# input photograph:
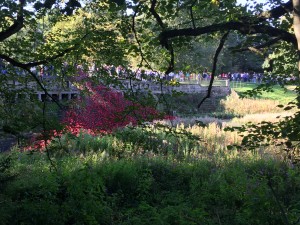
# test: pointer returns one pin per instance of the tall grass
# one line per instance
(237, 121)
(182, 142)
(152, 175)
(243, 106)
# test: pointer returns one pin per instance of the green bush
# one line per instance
(128, 142)
(88, 190)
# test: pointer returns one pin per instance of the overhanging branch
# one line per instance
(27, 69)
(192, 14)
(42, 87)
(213, 73)
(41, 62)
(133, 28)
(155, 14)
(243, 28)
(260, 46)
(17, 25)
(168, 45)
(27, 66)
(277, 12)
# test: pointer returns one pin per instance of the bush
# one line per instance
(105, 110)
(143, 191)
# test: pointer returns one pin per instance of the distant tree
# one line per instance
(154, 34)
(273, 34)
(53, 37)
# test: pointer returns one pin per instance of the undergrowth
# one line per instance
(143, 190)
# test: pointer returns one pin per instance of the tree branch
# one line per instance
(260, 46)
(172, 59)
(137, 38)
(13, 62)
(26, 67)
(192, 15)
(277, 12)
(213, 73)
(155, 14)
(296, 25)
(17, 25)
(45, 61)
(168, 44)
(42, 87)
(242, 27)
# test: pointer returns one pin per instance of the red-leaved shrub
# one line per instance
(104, 110)
(100, 111)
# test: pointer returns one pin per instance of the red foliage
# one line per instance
(101, 111)
(104, 110)
(39, 142)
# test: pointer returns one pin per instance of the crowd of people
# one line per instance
(244, 77)
(182, 76)
(148, 75)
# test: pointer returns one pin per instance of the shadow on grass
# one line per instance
(151, 191)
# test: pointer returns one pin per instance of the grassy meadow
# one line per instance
(278, 94)
(166, 172)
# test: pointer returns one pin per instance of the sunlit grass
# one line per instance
(279, 94)
(257, 118)
(243, 106)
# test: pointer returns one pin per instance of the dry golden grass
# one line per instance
(254, 118)
(243, 106)
(257, 118)
(216, 140)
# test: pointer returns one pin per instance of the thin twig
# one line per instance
(43, 88)
(192, 15)
(213, 73)
(46, 138)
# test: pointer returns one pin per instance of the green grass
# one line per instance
(283, 96)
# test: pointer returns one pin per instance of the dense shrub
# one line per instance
(104, 110)
(151, 191)
(100, 111)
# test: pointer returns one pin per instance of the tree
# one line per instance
(35, 35)
(273, 34)
(154, 32)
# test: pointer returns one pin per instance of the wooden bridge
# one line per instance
(158, 88)
(66, 91)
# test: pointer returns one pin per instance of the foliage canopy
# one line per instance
(149, 34)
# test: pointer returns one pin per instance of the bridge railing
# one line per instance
(217, 82)
(156, 88)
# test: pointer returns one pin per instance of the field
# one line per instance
(282, 95)
(182, 173)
